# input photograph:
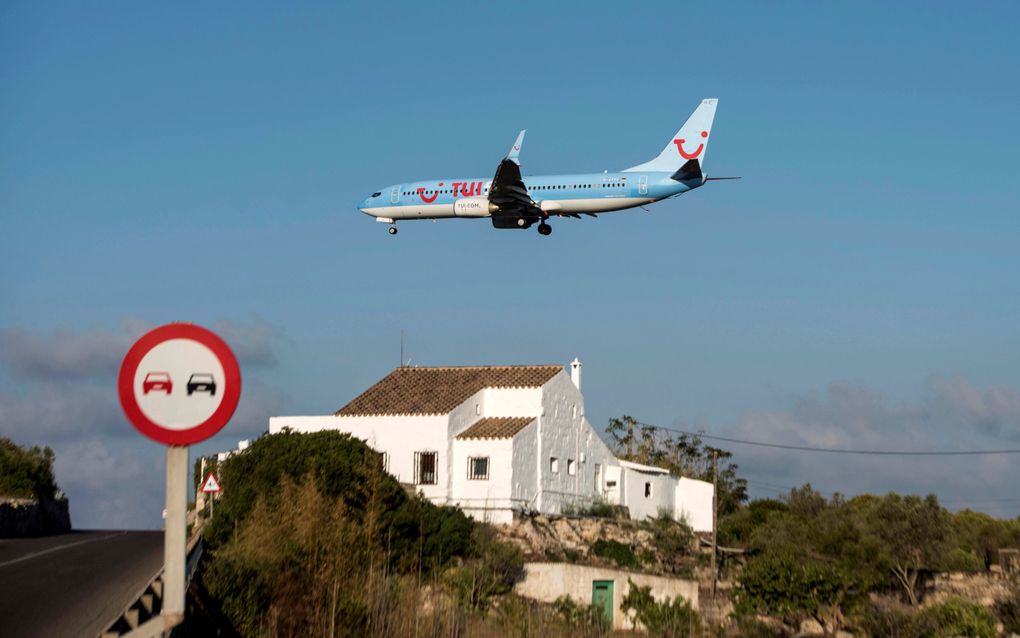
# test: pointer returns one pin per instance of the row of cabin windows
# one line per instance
(449, 191)
(425, 465)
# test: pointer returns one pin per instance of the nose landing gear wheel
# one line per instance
(392, 230)
(544, 229)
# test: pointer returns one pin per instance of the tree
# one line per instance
(796, 587)
(683, 455)
(26, 472)
(914, 535)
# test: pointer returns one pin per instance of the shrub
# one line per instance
(26, 472)
(615, 551)
(1008, 611)
(957, 617)
(672, 540)
(586, 619)
(492, 571)
(669, 617)
(961, 560)
(943, 620)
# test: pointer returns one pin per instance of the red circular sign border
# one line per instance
(231, 391)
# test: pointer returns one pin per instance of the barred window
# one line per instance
(478, 468)
(425, 468)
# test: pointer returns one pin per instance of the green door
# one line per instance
(602, 597)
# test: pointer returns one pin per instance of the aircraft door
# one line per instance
(395, 195)
(642, 185)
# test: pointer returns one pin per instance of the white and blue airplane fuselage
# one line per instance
(513, 201)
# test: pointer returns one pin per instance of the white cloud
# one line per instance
(953, 415)
(63, 394)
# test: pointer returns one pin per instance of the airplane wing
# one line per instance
(508, 193)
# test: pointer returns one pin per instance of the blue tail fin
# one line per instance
(689, 143)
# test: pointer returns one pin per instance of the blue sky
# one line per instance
(858, 287)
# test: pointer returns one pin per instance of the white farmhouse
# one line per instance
(494, 440)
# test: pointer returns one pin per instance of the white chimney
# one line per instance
(575, 372)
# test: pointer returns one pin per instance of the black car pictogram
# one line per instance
(201, 382)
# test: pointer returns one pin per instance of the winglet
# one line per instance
(515, 150)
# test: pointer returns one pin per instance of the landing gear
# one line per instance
(392, 230)
(523, 223)
(544, 229)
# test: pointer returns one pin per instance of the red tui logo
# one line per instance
(680, 147)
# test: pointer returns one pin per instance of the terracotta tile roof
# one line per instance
(440, 390)
(500, 427)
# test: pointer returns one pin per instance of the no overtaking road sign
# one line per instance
(179, 384)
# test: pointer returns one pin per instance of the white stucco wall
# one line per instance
(488, 500)
(663, 495)
(524, 471)
(513, 401)
(398, 436)
(546, 582)
(694, 503)
(564, 433)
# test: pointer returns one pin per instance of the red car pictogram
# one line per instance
(158, 381)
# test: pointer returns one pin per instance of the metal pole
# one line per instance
(715, 512)
(175, 541)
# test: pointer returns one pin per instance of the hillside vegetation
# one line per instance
(312, 537)
(26, 472)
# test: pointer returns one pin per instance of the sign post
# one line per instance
(179, 384)
(211, 487)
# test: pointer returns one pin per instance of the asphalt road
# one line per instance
(73, 584)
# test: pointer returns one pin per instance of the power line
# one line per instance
(983, 501)
(804, 448)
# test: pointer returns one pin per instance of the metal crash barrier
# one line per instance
(142, 617)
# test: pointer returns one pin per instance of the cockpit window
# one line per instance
(377, 194)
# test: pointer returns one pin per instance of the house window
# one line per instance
(598, 478)
(478, 468)
(554, 465)
(386, 461)
(425, 468)
(571, 467)
(648, 490)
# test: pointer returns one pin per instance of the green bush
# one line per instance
(960, 618)
(1008, 611)
(943, 620)
(586, 619)
(615, 551)
(26, 472)
(492, 571)
(962, 560)
(673, 618)
(342, 466)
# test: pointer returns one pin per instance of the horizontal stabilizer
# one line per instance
(690, 171)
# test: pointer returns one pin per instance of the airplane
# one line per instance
(511, 201)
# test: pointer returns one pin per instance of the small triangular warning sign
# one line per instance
(211, 485)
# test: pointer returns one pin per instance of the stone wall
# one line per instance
(27, 517)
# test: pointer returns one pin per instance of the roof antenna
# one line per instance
(401, 348)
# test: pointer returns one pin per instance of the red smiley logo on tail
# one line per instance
(428, 200)
(680, 147)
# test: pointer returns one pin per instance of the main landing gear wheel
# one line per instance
(392, 230)
(544, 229)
